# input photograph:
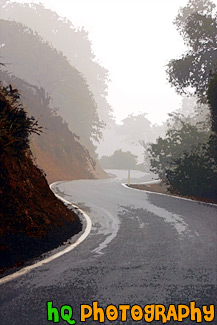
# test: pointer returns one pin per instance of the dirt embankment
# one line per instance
(57, 150)
(157, 188)
(32, 219)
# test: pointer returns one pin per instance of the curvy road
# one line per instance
(143, 249)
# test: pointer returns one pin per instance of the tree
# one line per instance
(184, 159)
(119, 160)
(57, 151)
(197, 23)
(193, 171)
(72, 41)
(181, 137)
(193, 174)
(135, 128)
(212, 101)
(15, 125)
(35, 61)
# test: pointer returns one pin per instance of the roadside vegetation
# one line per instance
(186, 158)
(119, 160)
(57, 151)
(53, 89)
(32, 219)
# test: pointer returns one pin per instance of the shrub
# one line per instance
(15, 125)
(194, 174)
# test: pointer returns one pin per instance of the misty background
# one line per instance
(109, 72)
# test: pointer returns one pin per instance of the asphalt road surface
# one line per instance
(143, 249)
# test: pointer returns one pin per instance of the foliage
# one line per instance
(119, 160)
(73, 42)
(130, 135)
(212, 100)
(181, 137)
(57, 151)
(197, 23)
(32, 220)
(189, 164)
(15, 125)
(193, 174)
(135, 127)
(35, 61)
(185, 160)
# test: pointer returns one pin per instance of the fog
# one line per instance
(133, 40)
(114, 77)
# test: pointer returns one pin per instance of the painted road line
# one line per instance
(84, 235)
(176, 197)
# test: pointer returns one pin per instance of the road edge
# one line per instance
(156, 193)
(83, 236)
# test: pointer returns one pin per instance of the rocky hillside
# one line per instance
(32, 219)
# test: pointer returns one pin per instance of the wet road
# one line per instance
(143, 249)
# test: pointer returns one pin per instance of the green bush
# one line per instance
(194, 174)
(15, 125)
(181, 137)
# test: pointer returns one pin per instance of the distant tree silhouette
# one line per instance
(119, 160)
(73, 42)
(35, 61)
(57, 151)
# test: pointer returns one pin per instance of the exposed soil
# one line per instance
(32, 219)
(56, 151)
(158, 188)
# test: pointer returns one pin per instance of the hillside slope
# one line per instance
(72, 41)
(29, 57)
(32, 219)
(57, 151)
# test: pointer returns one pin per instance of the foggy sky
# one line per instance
(134, 40)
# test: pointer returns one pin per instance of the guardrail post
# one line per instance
(128, 177)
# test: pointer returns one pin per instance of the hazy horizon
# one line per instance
(133, 40)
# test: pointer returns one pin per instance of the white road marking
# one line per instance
(176, 197)
(53, 257)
